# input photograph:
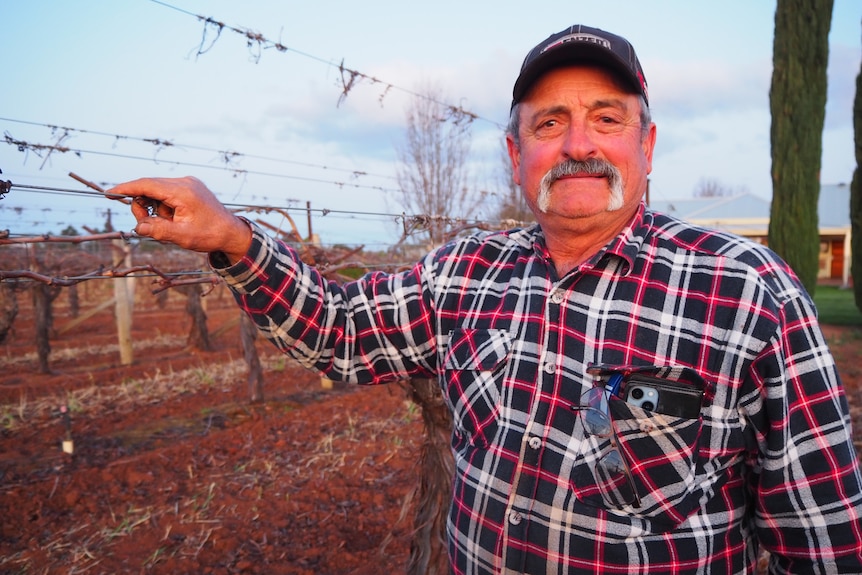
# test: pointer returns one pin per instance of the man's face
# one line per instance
(582, 152)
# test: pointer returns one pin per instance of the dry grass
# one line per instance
(126, 395)
(86, 351)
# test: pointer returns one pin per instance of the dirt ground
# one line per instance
(172, 470)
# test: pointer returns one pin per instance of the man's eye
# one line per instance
(607, 124)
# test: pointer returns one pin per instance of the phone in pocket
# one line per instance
(663, 396)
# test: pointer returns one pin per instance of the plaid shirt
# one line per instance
(768, 464)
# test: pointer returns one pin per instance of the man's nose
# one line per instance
(579, 142)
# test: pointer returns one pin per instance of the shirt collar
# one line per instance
(625, 246)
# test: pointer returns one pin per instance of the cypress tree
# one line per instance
(856, 198)
(797, 101)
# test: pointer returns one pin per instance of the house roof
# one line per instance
(748, 214)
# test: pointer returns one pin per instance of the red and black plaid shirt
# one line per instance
(768, 464)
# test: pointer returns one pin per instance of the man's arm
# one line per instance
(809, 507)
(375, 329)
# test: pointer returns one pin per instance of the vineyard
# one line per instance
(165, 465)
(172, 467)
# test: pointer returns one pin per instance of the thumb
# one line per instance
(144, 228)
(154, 227)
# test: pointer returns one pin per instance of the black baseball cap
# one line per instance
(578, 44)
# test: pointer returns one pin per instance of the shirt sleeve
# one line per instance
(372, 330)
(807, 480)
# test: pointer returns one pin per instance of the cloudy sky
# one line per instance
(137, 88)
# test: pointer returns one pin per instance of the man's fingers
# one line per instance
(183, 211)
(163, 230)
(152, 188)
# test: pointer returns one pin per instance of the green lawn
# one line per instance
(835, 306)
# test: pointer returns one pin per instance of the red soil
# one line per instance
(174, 471)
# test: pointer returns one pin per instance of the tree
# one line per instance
(797, 101)
(512, 207)
(433, 175)
(856, 198)
(434, 181)
(712, 188)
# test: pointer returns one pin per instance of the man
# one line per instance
(631, 394)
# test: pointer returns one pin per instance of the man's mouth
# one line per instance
(581, 175)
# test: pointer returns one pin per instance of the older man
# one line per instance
(631, 394)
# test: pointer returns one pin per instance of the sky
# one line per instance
(144, 88)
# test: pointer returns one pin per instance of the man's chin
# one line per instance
(573, 212)
(578, 209)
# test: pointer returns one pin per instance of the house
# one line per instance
(748, 215)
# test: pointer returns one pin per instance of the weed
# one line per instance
(207, 499)
(155, 557)
(205, 377)
(74, 404)
(7, 418)
(411, 410)
(127, 524)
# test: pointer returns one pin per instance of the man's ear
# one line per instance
(648, 145)
(515, 156)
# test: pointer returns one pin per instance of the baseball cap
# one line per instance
(578, 44)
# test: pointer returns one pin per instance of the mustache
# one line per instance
(590, 167)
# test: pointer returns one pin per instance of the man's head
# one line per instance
(580, 133)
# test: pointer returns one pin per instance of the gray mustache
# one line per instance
(590, 166)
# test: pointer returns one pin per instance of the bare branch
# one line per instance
(66, 239)
(98, 188)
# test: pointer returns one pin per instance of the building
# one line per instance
(748, 215)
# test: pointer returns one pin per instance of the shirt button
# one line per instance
(535, 442)
(515, 518)
(550, 368)
(557, 297)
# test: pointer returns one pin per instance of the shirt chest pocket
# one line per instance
(662, 455)
(473, 381)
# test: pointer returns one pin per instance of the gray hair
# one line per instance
(514, 126)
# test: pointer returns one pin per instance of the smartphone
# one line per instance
(663, 396)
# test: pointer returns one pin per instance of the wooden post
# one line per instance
(124, 294)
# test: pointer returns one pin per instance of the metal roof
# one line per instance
(748, 214)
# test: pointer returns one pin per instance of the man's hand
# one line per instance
(183, 211)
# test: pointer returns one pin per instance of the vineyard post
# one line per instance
(124, 293)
